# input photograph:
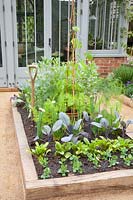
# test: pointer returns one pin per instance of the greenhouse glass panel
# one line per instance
(61, 28)
(103, 24)
(30, 31)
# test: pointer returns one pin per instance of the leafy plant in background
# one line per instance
(50, 112)
(103, 124)
(52, 85)
(129, 90)
(105, 127)
(124, 73)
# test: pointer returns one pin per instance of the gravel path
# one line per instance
(11, 187)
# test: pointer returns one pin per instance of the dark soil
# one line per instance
(88, 167)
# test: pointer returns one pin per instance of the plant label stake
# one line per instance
(33, 74)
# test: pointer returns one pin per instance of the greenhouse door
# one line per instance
(30, 29)
(32, 32)
(4, 47)
(3, 78)
(61, 11)
(42, 28)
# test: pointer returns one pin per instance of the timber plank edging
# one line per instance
(6, 89)
(126, 100)
(29, 171)
(35, 189)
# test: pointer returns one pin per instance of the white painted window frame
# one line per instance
(83, 36)
(21, 73)
(47, 28)
(3, 69)
(9, 42)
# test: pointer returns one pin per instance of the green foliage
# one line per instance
(63, 169)
(94, 159)
(95, 151)
(76, 164)
(113, 86)
(40, 149)
(113, 161)
(43, 161)
(53, 90)
(64, 87)
(127, 157)
(128, 160)
(129, 90)
(63, 149)
(46, 173)
(124, 73)
(109, 125)
(25, 95)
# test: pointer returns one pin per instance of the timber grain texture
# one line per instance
(8, 90)
(125, 100)
(115, 185)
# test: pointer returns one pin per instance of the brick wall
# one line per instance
(107, 64)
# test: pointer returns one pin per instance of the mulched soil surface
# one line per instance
(88, 167)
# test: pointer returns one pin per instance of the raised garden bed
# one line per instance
(104, 185)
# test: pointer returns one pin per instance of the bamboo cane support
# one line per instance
(73, 53)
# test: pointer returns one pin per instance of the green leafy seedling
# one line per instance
(76, 164)
(40, 149)
(63, 169)
(128, 160)
(113, 161)
(43, 161)
(46, 173)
